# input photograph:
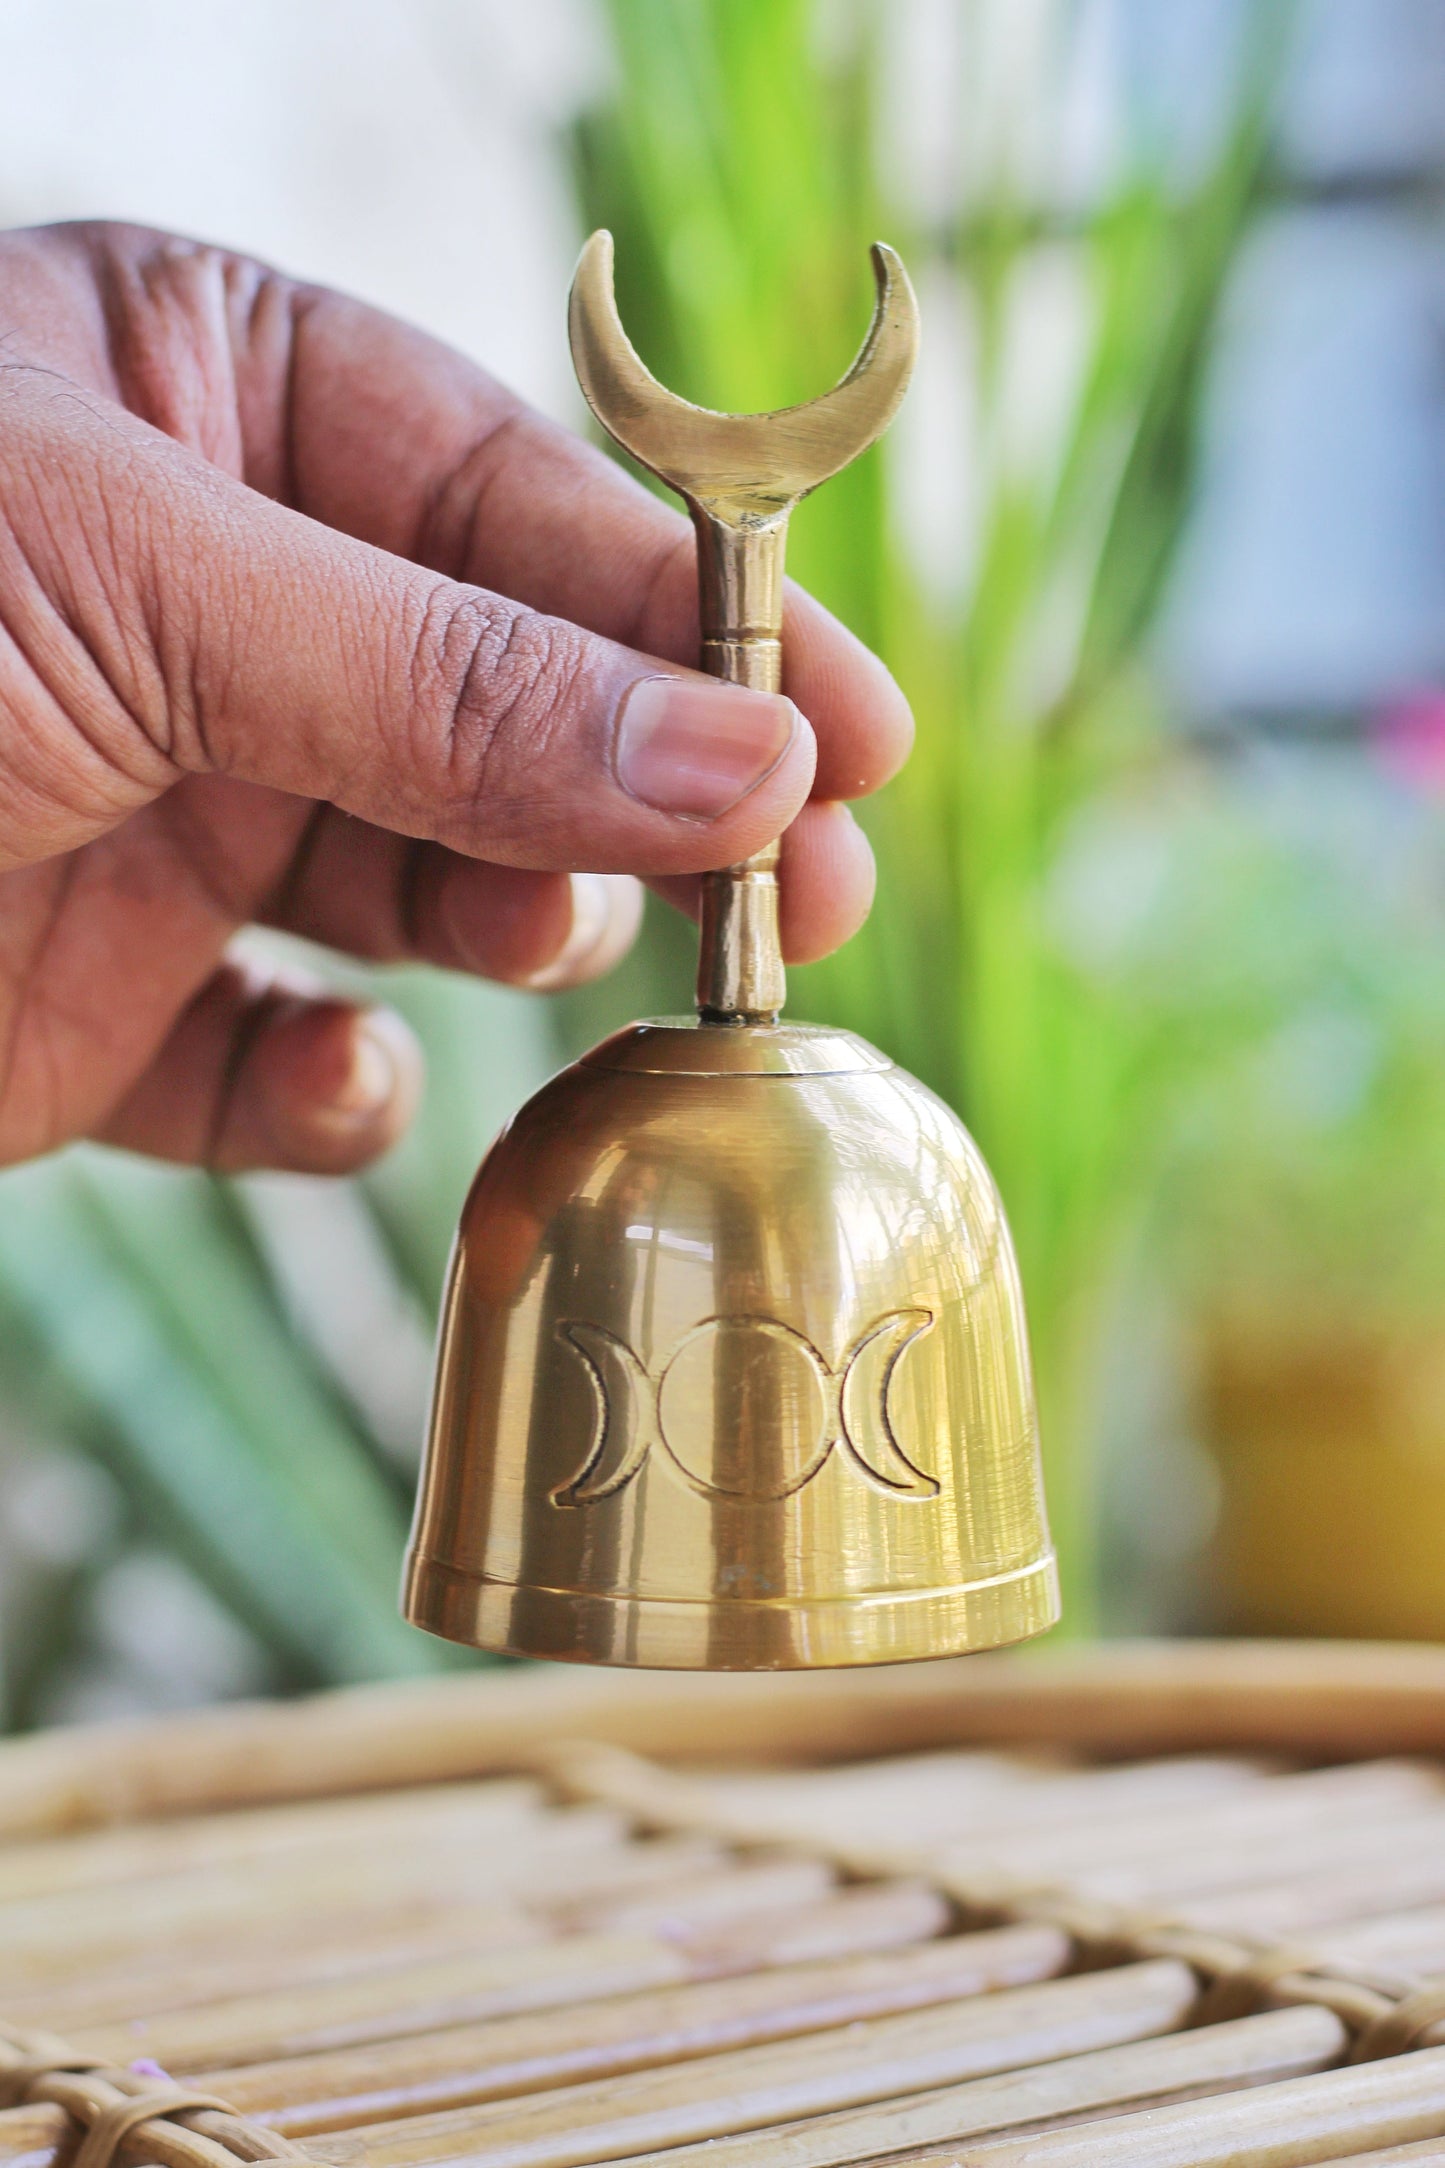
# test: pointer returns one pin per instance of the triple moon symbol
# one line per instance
(732, 1381)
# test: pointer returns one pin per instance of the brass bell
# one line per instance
(733, 1370)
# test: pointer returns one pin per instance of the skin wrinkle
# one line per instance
(159, 355)
(104, 751)
(184, 663)
(128, 639)
(217, 429)
(302, 304)
(509, 751)
(298, 306)
(566, 677)
(27, 1004)
(282, 901)
(149, 706)
(308, 906)
(682, 547)
(252, 1018)
(44, 819)
(182, 658)
(527, 659)
(110, 287)
(217, 421)
(54, 1096)
(209, 869)
(463, 740)
(214, 670)
(85, 609)
(247, 299)
(429, 546)
(413, 866)
(43, 813)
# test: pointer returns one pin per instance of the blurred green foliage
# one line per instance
(1281, 921)
(142, 1321)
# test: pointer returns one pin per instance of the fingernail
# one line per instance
(591, 911)
(373, 1076)
(694, 749)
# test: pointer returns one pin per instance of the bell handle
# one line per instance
(740, 976)
(740, 476)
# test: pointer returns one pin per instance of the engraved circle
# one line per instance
(746, 1408)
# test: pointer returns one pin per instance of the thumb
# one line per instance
(287, 654)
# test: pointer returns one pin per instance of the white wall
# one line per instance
(404, 149)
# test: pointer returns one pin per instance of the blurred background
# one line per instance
(1157, 549)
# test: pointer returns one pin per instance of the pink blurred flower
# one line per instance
(1407, 737)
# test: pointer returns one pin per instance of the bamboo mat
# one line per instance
(1136, 1906)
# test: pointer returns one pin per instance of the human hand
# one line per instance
(305, 621)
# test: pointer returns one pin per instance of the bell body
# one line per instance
(733, 1371)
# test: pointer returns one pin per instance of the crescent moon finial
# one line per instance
(740, 464)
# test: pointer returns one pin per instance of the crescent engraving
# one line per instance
(867, 1371)
(625, 1422)
(804, 1415)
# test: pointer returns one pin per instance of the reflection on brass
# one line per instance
(733, 1371)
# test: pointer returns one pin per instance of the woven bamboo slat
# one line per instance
(877, 1915)
(518, 2056)
(886, 2058)
(392, 2005)
(1148, 2073)
(1129, 1905)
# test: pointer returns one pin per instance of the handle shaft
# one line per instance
(740, 977)
(740, 476)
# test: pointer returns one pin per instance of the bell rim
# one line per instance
(730, 1633)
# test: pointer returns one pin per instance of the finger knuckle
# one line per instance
(510, 679)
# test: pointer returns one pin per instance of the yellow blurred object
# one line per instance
(1330, 1444)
